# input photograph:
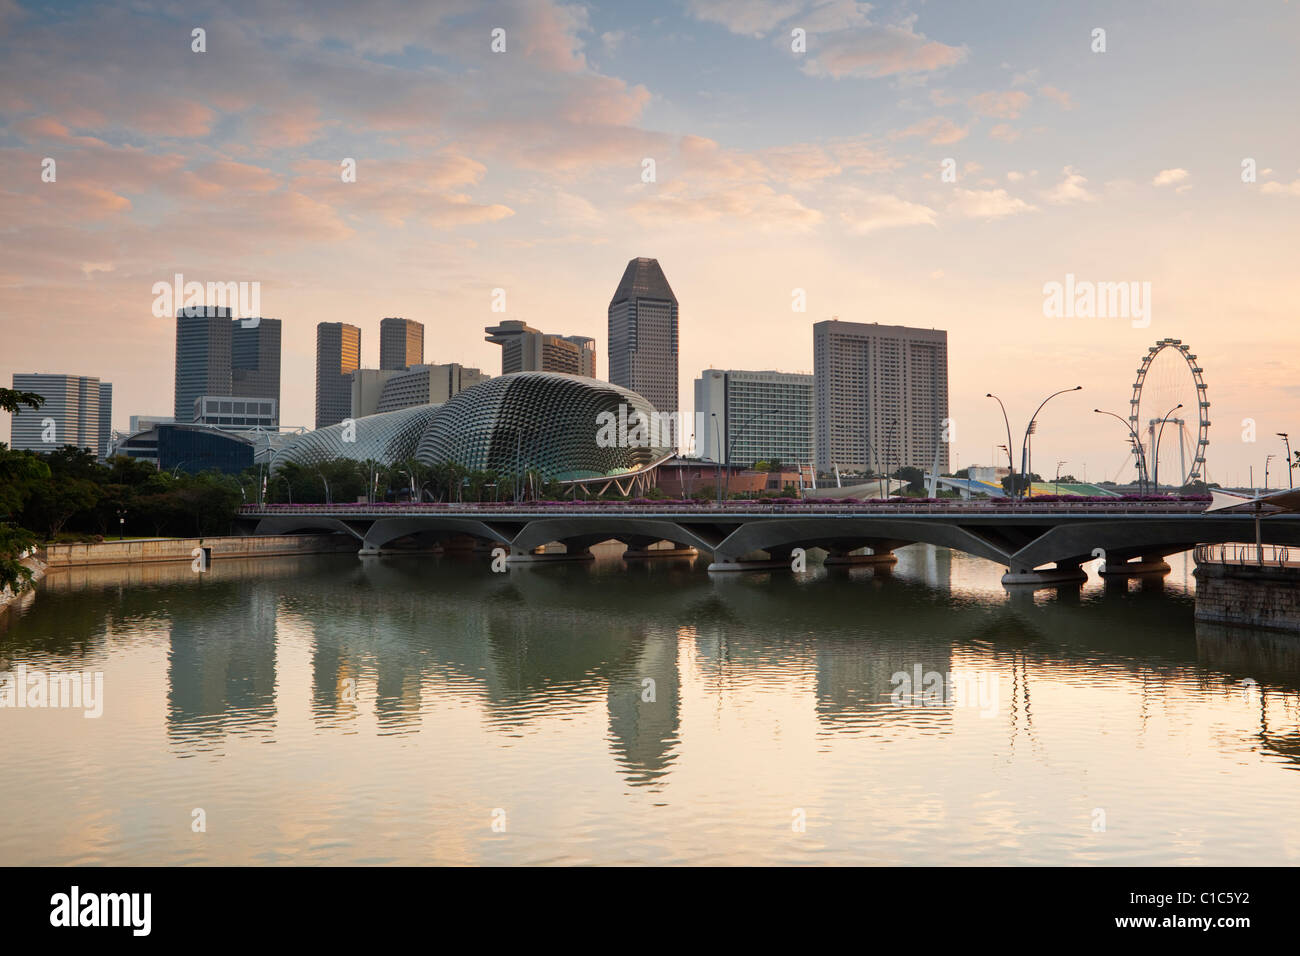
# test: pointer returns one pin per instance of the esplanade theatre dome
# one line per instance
(549, 422)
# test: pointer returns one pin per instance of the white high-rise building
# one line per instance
(78, 411)
(743, 417)
(881, 396)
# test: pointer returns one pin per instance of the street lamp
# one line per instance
(889, 447)
(121, 523)
(1024, 446)
(1289, 465)
(731, 445)
(1058, 477)
(1137, 448)
(1011, 465)
(717, 467)
(1159, 435)
(1267, 459)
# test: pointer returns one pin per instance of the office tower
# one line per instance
(71, 414)
(105, 418)
(401, 344)
(367, 387)
(141, 423)
(643, 334)
(202, 358)
(236, 411)
(744, 417)
(255, 361)
(425, 385)
(525, 349)
(338, 355)
(882, 396)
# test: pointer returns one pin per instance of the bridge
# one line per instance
(1038, 542)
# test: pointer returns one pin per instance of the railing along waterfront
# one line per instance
(1259, 555)
(743, 507)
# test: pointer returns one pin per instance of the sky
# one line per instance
(925, 164)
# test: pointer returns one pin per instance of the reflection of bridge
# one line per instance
(1135, 536)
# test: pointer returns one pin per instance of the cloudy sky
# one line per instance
(775, 170)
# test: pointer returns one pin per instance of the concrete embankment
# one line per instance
(182, 549)
(1250, 595)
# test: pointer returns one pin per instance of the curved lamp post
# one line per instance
(889, 447)
(1286, 439)
(1159, 435)
(731, 445)
(1024, 446)
(1011, 465)
(1137, 447)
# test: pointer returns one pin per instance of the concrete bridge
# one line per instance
(1038, 542)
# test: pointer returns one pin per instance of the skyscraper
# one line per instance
(525, 349)
(427, 384)
(338, 355)
(401, 344)
(72, 413)
(255, 361)
(744, 417)
(882, 396)
(203, 360)
(643, 334)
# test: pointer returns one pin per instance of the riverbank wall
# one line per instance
(182, 549)
(1250, 595)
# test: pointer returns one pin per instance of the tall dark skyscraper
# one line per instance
(338, 355)
(401, 344)
(255, 360)
(643, 334)
(202, 358)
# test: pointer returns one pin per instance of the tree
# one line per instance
(914, 477)
(54, 502)
(14, 543)
(20, 473)
(12, 400)
(1021, 484)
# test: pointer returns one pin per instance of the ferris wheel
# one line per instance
(1171, 412)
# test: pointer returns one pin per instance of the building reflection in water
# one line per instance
(391, 639)
(221, 664)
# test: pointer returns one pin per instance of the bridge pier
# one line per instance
(874, 557)
(759, 564)
(539, 555)
(1063, 573)
(677, 550)
(1147, 564)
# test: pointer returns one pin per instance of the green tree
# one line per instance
(14, 543)
(56, 501)
(21, 473)
(12, 400)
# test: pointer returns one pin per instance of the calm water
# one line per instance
(330, 710)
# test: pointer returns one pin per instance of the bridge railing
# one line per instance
(1259, 555)
(735, 507)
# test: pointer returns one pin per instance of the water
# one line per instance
(333, 710)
